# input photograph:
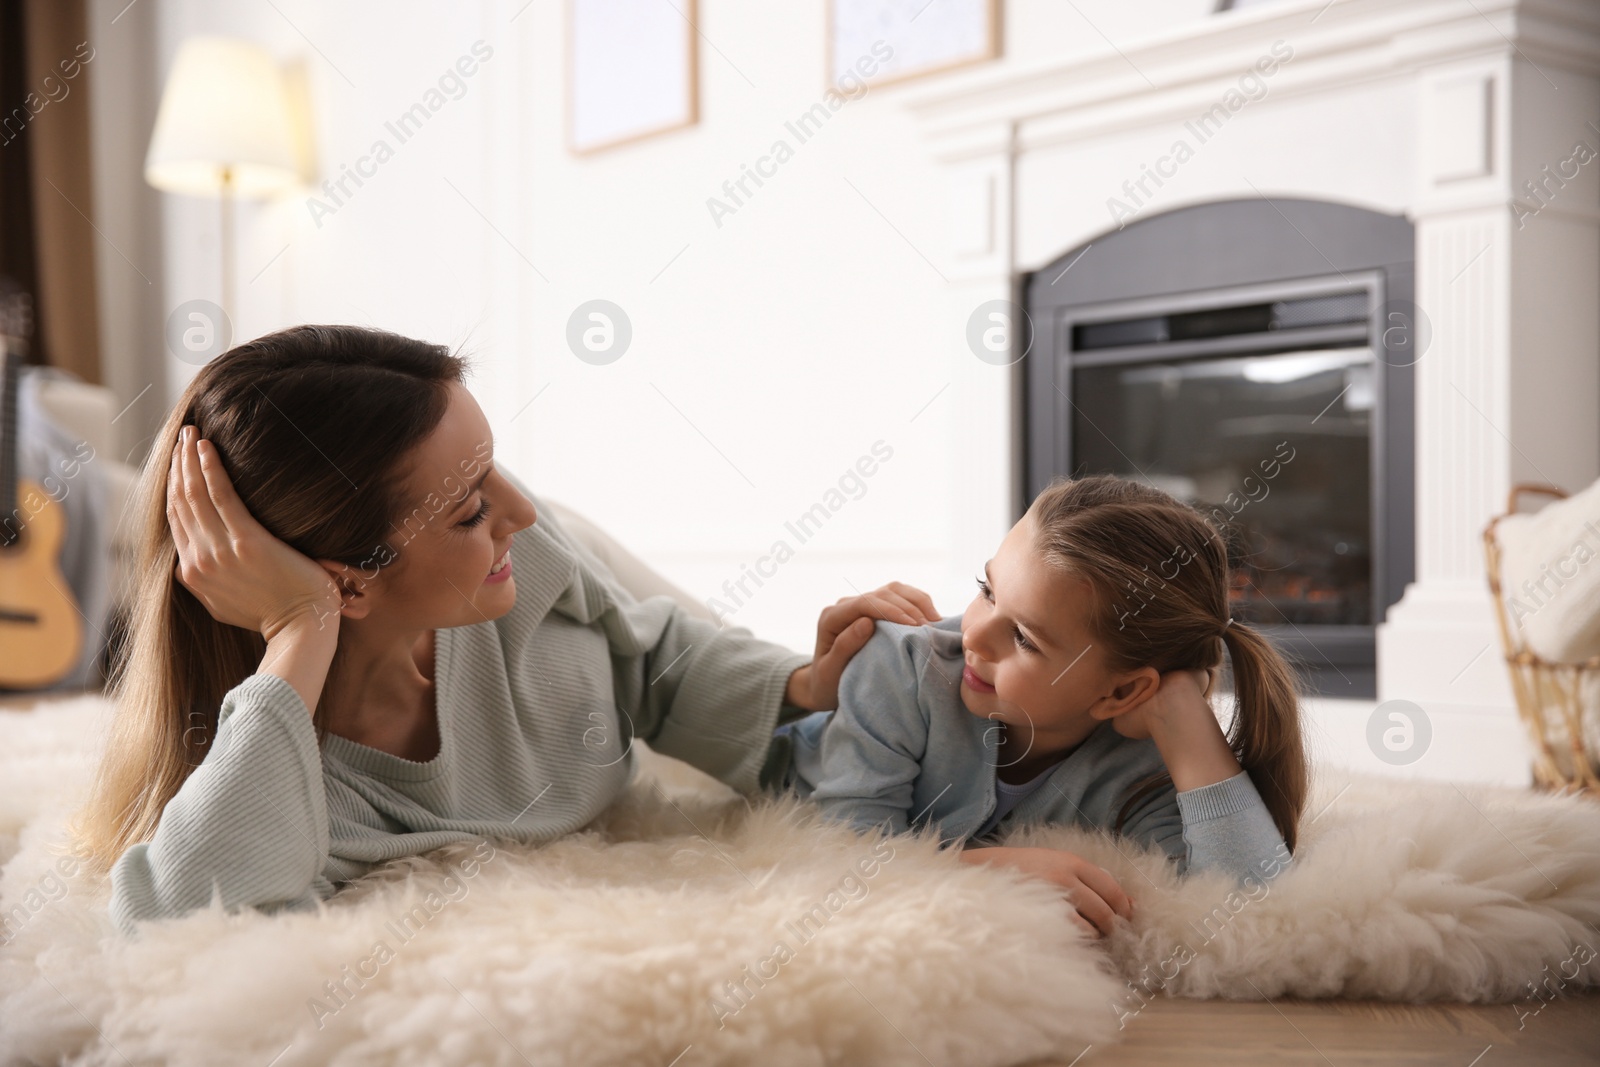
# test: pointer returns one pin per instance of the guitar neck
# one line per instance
(8, 441)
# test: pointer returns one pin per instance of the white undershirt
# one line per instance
(1008, 796)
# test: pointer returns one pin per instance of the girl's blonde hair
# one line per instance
(1159, 574)
(313, 425)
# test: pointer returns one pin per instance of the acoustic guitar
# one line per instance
(41, 628)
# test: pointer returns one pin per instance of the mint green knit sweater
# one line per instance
(537, 711)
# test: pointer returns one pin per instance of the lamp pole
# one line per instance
(227, 243)
(225, 128)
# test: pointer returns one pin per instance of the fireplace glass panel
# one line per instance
(1277, 447)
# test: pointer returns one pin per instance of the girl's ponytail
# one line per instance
(1265, 735)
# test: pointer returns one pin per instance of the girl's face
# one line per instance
(1029, 659)
(458, 526)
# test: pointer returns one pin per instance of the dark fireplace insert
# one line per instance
(1254, 359)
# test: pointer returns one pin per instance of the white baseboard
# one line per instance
(1467, 743)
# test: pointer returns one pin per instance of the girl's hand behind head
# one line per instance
(232, 564)
(1181, 694)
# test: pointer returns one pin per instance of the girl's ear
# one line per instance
(1130, 691)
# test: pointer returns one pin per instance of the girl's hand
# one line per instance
(1186, 732)
(1182, 695)
(843, 629)
(1091, 890)
(243, 575)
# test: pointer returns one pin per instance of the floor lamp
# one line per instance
(225, 130)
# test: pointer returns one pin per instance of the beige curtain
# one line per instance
(68, 318)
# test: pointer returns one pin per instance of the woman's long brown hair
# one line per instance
(314, 425)
(1159, 571)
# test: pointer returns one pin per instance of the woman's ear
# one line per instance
(1129, 692)
(354, 588)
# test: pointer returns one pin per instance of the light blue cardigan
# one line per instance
(903, 751)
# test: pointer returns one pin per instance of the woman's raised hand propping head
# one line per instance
(235, 567)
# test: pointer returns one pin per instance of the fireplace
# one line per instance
(1252, 358)
(1422, 133)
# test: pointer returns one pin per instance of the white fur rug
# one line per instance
(688, 927)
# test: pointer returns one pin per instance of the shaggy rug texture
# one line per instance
(691, 927)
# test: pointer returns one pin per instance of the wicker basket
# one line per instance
(1555, 700)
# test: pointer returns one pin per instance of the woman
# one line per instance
(356, 639)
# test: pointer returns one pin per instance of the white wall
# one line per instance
(772, 353)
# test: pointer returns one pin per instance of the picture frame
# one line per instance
(632, 71)
(927, 36)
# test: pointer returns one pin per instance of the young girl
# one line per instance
(1071, 691)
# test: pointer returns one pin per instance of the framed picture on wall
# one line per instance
(920, 37)
(632, 71)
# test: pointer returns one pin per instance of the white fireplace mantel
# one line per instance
(1465, 117)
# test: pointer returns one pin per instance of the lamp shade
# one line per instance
(225, 110)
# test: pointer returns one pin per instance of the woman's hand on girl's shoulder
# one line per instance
(235, 567)
(1090, 889)
(843, 629)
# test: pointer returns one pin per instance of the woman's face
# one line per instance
(1030, 660)
(460, 513)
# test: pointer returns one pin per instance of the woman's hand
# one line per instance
(843, 629)
(243, 575)
(1091, 890)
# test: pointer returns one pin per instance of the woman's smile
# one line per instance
(501, 569)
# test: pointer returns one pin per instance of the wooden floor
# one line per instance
(1203, 1033)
